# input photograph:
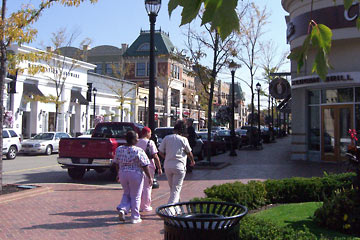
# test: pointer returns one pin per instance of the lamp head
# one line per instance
(233, 66)
(258, 86)
(95, 91)
(152, 6)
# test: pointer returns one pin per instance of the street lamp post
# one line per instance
(258, 88)
(94, 91)
(233, 66)
(145, 100)
(152, 8)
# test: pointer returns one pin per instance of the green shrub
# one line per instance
(252, 195)
(290, 190)
(252, 228)
(341, 212)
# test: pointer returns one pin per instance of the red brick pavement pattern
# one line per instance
(74, 211)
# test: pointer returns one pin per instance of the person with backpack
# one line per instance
(151, 151)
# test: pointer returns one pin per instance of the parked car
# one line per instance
(266, 134)
(217, 144)
(246, 138)
(162, 132)
(226, 136)
(80, 154)
(44, 143)
(88, 133)
(11, 143)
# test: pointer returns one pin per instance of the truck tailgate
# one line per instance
(88, 147)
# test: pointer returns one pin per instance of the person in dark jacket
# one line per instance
(191, 136)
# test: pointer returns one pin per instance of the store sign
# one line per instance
(279, 88)
(333, 78)
(340, 18)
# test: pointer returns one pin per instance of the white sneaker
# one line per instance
(121, 215)
(149, 209)
(133, 221)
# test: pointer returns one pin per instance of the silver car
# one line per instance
(43, 143)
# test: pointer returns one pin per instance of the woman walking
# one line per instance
(175, 148)
(131, 163)
(151, 151)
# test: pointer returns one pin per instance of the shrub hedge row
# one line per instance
(255, 194)
(252, 228)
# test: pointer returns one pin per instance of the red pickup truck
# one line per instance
(78, 155)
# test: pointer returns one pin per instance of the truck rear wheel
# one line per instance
(76, 173)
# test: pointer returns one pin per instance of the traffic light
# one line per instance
(89, 92)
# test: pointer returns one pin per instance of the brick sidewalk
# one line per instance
(74, 211)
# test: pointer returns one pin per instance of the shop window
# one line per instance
(140, 69)
(314, 128)
(98, 68)
(314, 97)
(357, 118)
(338, 95)
(109, 68)
(357, 94)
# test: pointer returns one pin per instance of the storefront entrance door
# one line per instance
(336, 122)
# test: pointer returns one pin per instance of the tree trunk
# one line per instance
(56, 116)
(2, 83)
(212, 85)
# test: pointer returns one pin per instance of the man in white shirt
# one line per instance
(175, 149)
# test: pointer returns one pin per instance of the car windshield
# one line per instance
(44, 136)
(224, 133)
(89, 131)
(163, 132)
(112, 131)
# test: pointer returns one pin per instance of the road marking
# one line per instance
(29, 169)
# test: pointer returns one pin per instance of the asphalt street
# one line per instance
(45, 169)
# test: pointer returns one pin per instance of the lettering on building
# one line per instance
(55, 71)
(335, 78)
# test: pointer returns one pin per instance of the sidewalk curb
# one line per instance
(24, 194)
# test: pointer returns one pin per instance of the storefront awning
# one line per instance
(76, 96)
(32, 89)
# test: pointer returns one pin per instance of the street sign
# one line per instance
(279, 88)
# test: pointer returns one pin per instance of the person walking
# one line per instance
(175, 148)
(151, 151)
(131, 163)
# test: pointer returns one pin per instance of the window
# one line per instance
(98, 68)
(5, 134)
(13, 133)
(148, 69)
(144, 47)
(314, 97)
(108, 68)
(314, 128)
(338, 95)
(140, 69)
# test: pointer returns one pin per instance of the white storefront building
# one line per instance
(75, 113)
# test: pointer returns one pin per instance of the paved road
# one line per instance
(45, 169)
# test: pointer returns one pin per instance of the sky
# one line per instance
(113, 22)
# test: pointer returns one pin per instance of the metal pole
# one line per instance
(272, 119)
(198, 117)
(145, 114)
(233, 152)
(259, 130)
(152, 18)
(94, 110)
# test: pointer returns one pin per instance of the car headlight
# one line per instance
(37, 145)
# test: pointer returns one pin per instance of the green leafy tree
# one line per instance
(17, 28)
(221, 16)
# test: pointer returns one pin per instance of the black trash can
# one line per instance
(201, 220)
